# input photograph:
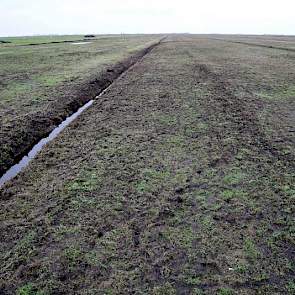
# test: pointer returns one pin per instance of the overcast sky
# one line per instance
(32, 17)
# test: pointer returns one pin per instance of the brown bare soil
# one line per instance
(178, 180)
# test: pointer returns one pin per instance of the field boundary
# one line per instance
(57, 42)
(254, 44)
(40, 124)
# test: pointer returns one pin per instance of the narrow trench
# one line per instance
(14, 170)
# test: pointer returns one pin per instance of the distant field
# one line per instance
(11, 41)
(281, 42)
(34, 78)
(29, 74)
(179, 179)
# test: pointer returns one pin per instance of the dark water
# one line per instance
(14, 170)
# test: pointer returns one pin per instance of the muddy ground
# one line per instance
(178, 180)
(40, 87)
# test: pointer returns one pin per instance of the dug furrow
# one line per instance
(171, 183)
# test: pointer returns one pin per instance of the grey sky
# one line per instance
(30, 17)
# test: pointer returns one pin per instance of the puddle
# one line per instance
(81, 43)
(14, 170)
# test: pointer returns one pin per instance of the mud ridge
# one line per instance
(38, 125)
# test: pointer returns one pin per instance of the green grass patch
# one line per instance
(235, 177)
(86, 182)
(51, 80)
(229, 194)
(279, 94)
(151, 180)
(165, 119)
(207, 223)
(198, 291)
(241, 268)
(29, 289)
(193, 281)
(165, 289)
(40, 39)
(23, 250)
(73, 255)
(225, 291)
(180, 236)
(250, 250)
(291, 287)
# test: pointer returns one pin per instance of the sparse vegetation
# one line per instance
(46, 78)
(178, 180)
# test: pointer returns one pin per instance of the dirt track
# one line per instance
(179, 180)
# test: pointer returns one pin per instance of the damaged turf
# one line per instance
(179, 180)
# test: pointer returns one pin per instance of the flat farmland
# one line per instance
(43, 79)
(271, 41)
(179, 179)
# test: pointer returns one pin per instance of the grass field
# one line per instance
(13, 41)
(178, 180)
(282, 42)
(39, 84)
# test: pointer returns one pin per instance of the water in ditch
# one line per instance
(15, 169)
